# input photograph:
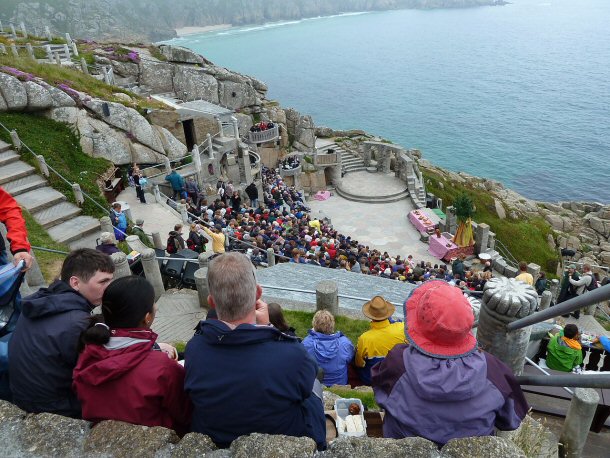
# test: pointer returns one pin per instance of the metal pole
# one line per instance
(570, 380)
(584, 300)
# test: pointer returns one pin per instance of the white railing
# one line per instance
(264, 136)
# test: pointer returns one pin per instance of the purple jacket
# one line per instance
(443, 399)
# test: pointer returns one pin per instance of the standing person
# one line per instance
(12, 218)
(252, 192)
(524, 275)
(192, 189)
(175, 242)
(121, 373)
(236, 202)
(331, 350)
(375, 344)
(138, 230)
(119, 222)
(139, 181)
(457, 267)
(242, 375)
(217, 238)
(195, 241)
(441, 386)
(42, 351)
(177, 183)
(581, 284)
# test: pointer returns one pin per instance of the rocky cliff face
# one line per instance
(143, 20)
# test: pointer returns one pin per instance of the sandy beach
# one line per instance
(183, 31)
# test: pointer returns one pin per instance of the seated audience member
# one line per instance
(42, 351)
(440, 386)
(107, 244)
(276, 318)
(540, 285)
(564, 351)
(524, 275)
(332, 350)
(121, 374)
(242, 375)
(375, 344)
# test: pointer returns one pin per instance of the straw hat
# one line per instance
(378, 309)
(438, 321)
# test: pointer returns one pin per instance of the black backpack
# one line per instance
(171, 245)
(592, 284)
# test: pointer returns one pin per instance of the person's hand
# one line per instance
(169, 350)
(23, 256)
(262, 313)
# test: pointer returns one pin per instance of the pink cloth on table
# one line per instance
(438, 246)
(322, 195)
(420, 224)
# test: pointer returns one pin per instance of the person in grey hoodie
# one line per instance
(440, 386)
(42, 351)
(331, 350)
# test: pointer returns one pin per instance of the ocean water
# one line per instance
(518, 93)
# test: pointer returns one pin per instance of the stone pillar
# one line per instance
(491, 241)
(152, 271)
(367, 156)
(197, 163)
(156, 193)
(14, 50)
(183, 213)
(245, 158)
(219, 125)
(42, 163)
(157, 241)
(270, 257)
(83, 66)
(210, 147)
(168, 164)
(545, 300)
(201, 283)
(204, 259)
(34, 275)
(555, 288)
(74, 49)
(13, 32)
(121, 266)
(106, 226)
(23, 29)
(235, 127)
(68, 39)
(327, 296)
(1, 27)
(78, 194)
(2, 49)
(577, 423)
(47, 33)
(47, 49)
(481, 236)
(451, 223)
(57, 59)
(506, 300)
(36, 31)
(28, 47)
(533, 269)
(67, 51)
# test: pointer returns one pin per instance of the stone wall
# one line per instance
(49, 435)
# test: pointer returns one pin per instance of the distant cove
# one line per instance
(519, 93)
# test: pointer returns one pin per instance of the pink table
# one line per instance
(440, 246)
(428, 222)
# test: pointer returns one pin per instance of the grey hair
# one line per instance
(232, 285)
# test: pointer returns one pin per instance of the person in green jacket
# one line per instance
(564, 351)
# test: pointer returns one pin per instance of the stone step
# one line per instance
(352, 162)
(4, 146)
(24, 184)
(74, 229)
(88, 241)
(6, 157)
(14, 171)
(373, 199)
(57, 214)
(39, 199)
(353, 168)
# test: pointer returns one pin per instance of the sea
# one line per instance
(518, 93)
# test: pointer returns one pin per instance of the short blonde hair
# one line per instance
(324, 322)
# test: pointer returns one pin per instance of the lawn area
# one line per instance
(50, 263)
(367, 397)
(526, 238)
(62, 151)
(301, 321)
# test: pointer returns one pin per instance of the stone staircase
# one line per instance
(373, 199)
(349, 162)
(61, 219)
(60, 49)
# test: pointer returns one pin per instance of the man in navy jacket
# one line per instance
(243, 375)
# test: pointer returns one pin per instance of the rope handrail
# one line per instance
(506, 254)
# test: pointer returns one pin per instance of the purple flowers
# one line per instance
(68, 90)
(18, 73)
(133, 56)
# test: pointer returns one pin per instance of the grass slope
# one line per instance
(50, 263)
(62, 151)
(526, 238)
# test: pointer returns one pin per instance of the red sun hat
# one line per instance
(438, 321)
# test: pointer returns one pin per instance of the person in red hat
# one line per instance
(440, 385)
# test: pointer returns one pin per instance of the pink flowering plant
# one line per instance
(22, 76)
(68, 90)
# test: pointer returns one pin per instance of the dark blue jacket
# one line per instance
(251, 379)
(42, 350)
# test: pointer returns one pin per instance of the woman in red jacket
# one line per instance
(122, 374)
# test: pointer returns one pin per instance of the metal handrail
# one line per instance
(506, 254)
(529, 361)
(584, 300)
